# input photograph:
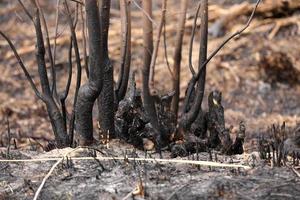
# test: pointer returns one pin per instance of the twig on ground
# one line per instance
(296, 172)
(50, 172)
(194, 162)
(177, 190)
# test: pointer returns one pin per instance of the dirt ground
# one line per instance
(238, 71)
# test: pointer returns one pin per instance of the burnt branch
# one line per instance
(177, 56)
(26, 10)
(165, 50)
(125, 49)
(202, 67)
(89, 92)
(56, 30)
(65, 93)
(192, 41)
(56, 118)
(106, 99)
(32, 84)
(78, 64)
(148, 100)
(49, 51)
(54, 113)
(85, 57)
(156, 46)
(194, 79)
(189, 117)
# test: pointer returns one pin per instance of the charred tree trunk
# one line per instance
(177, 57)
(57, 115)
(56, 118)
(106, 98)
(189, 117)
(148, 100)
(89, 92)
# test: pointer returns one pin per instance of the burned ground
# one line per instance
(247, 71)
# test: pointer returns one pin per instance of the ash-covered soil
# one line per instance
(247, 71)
(239, 70)
(115, 179)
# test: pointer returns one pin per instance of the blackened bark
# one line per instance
(56, 118)
(89, 92)
(78, 64)
(148, 101)
(63, 95)
(58, 125)
(156, 45)
(297, 140)
(177, 57)
(215, 119)
(125, 50)
(189, 117)
(106, 108)
(106, 99)
(53, 73)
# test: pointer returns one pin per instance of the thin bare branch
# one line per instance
(125, 49)
(48, 46)
(32, 84)
(177, 57)
(156, 45)
(189, 117)
(78, 64)
(192, 41)
(144, 12)
(76, 15)
(26, 10)
(85, 58)
(40, 55)
(193, 81)
(65, 93)
(56, 30)
(67, 88)
(228, 39)
(165, 50)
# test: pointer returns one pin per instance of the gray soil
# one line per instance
(97, 179)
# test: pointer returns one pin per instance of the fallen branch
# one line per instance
(192, 162)
(50, 172)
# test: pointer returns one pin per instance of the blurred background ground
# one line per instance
(254, 71)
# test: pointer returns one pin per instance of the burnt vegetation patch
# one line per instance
(140, 117)
(124, 111)
(113, 131)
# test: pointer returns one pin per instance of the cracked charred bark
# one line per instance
(106, 99)
(89, 92)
